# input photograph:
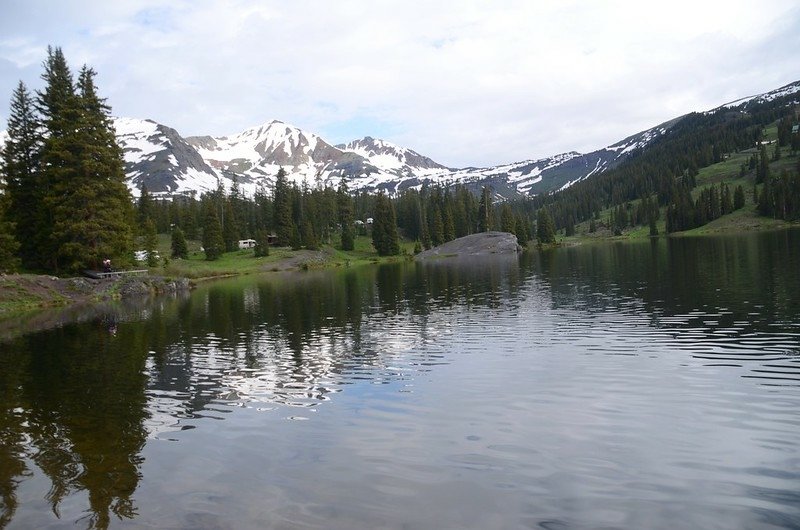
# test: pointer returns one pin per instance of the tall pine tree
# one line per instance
(19, 166)
(384, 227)
(91, 207)
(345, 206)
(545, 227)
(485, 220)
(282, 210)
(213, 244)
(180, 249)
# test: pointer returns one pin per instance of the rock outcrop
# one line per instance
(482, 244)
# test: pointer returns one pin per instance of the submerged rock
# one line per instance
(482, 244)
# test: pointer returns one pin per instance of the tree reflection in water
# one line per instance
(80, 402)
(81, 399)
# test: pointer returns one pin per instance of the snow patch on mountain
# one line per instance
(791, 88)
(259, 152)
(158, 157)
(392, 158)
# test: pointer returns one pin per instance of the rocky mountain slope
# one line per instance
(167, 163)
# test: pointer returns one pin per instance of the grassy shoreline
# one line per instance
(243, 262)
(744, 220)
(23, 293)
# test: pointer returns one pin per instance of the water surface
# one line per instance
(648, 385)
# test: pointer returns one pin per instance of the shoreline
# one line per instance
(26, 293)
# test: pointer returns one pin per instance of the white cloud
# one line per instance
(473, 83)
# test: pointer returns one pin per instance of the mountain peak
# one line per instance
(390, 157)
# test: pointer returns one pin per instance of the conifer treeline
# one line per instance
(665, 171)
(66, 202)
(301, 216)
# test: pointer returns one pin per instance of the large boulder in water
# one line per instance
(483, 244)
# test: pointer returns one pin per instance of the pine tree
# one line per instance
(651, 221)
(522, 232)
(151, 242)
(437, 226)
(262, 244)
(507, 220)
(569, 228)
(726, 203)
(545, 228)
(180, 249)
(230, 229)
(282, 210)
(344, 204)
(384, 229)
(213, 245)
(765, 199)
(447, 217)
(485, 220)
(762, 170)
(425, 233)
(90, 205)
(738, 197)
(19, 166)
(295, 241)
(144, 206)
(309, 236)
(8, 243)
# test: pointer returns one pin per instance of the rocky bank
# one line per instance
(25, 291)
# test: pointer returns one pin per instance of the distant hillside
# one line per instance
(667, 167)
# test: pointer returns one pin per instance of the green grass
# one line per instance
(243, 262)
(743, 220)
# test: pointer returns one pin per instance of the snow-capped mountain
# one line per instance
(257, 154)
(160, 158)
(533, 177)
(391, 158)
(791, 88)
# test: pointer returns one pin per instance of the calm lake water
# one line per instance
(638, 386)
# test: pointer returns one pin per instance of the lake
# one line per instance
(623, 385)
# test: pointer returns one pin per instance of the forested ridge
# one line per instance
(663, 174)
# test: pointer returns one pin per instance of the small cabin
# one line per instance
(795, 129)
(247, 243)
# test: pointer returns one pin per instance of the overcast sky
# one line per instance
(466, 83)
